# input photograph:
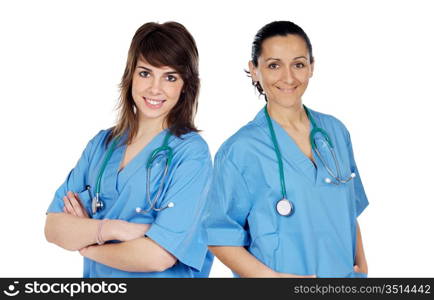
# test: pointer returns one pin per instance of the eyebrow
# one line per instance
(272, 58)
(149, 70)
(278, 59)
(300, 57)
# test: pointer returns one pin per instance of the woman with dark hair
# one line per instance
(286, 192)
(133, 203)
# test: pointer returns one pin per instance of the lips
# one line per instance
(154, 103)
(287, 90)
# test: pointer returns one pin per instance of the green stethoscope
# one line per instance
(98, 204)
(284, 206)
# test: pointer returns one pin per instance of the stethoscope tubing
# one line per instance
(98, 204)
(315, 129)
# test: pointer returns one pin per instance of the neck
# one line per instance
(288, 117)
(149, 127)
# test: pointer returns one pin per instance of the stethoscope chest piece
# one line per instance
(96, 205)
(285, 207)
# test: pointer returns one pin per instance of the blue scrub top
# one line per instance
(177, 229)
(320, 236)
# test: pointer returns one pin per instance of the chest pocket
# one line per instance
(142, 181)
(158, 181)
(334, 160)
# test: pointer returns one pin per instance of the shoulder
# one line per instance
(102, 134)
(330, 123)
(192, 144)
(96, 144)
(98, 139)
(328, 120)
(242, 142)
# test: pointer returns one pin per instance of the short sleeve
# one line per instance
(360, 195)
(179, 229)
(76, 179)
(228, 205)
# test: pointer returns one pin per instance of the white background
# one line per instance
(60, 63)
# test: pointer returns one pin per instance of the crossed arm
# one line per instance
(73, 230)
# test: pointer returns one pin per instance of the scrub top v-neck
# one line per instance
(320, 236)
(178, 229)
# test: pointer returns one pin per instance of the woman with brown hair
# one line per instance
(132, 205)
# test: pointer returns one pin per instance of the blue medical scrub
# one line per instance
(177, 229)
(320, 236)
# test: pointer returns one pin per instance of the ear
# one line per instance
(312, 66)
(253, 71)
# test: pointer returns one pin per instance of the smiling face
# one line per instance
(155, 90)
(283, 69)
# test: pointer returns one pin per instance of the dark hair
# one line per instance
(168, 44)
(276, 28)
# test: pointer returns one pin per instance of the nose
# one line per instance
(155, 86)
(288, 76)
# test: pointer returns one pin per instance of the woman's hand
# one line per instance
(360, 263)
(86, 250)
(123, 231)
(360, 269)
(112, 229)
(74, 206)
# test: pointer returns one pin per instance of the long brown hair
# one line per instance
(168, 44)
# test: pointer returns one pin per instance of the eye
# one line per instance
(299, 65)
(171, 78)
(273, 66)
(144, 74)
